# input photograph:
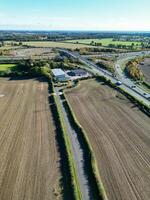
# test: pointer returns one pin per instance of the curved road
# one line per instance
(127, 84)
(122, 59)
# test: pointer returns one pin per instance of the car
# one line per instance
(118, 83)
(133, 86)
(144, 93)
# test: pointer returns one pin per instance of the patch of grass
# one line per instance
(68, 160)
(89, 157)
(7, 67)
(104, 42)
(145, 86)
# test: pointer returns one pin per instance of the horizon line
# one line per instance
(78, 30)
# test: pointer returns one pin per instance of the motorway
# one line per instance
(122, 59)
(127, 84)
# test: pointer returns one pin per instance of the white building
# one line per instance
(60, 75)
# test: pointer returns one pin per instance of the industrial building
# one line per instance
(60, 75)
(77, 72)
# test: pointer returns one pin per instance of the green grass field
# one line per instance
(105, 42)
(70, 44)
(7, 67)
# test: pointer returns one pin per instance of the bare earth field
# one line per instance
(146, 69)
(29, 159)
(55, 44)
(120, 136)
(34, 53)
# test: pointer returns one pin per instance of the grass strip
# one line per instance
(70, 171)
(92, 172)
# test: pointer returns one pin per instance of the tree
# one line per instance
(2, 43)
(132, 46)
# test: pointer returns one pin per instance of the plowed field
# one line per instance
(29, 168)
(120, 136)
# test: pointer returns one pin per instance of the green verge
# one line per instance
(146, 84)
(93, 171)
(91, 163)
(58, 115)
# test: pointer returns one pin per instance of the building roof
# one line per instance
(58, 72)
(79, 72)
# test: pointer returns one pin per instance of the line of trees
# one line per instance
(133, 70)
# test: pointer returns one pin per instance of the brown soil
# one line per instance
(146, 69)
(29, 167)
(120, 136)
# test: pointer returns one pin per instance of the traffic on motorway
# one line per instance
(120, 79)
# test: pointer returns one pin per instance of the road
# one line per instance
(122, 59)
(127, 84)
(77, 153)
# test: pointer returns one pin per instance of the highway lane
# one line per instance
(127, 84)
(122, 59)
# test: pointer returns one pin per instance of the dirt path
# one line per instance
(29, 166)
(120, 136)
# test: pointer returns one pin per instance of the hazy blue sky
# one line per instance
(75, 14)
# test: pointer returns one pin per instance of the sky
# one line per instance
(100, 15)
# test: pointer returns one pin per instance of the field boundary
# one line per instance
(140, 104)
(93, 173)
(146, 84)
(61, 129)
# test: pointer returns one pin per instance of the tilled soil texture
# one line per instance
(145, 67)
(120, 137)
(29, 161)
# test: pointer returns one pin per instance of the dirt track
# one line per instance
(120, 136)
(29, 166)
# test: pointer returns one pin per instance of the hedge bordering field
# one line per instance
(69, 179)
(146, 84)
(91, 169)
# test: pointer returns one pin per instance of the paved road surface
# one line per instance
(77, 153)
(126, 83)
(121, 75)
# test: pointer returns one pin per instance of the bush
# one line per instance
(71, 188)
(133, 71)
(89, 159)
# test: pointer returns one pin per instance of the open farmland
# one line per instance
(55, 44)
(33, 53)
(120, 137)
(104, 42)
(29, 161)
(145, 67)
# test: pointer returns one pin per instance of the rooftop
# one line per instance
(79, 71)
(58, 72)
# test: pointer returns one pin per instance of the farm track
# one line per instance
(120, 136)
(29, 167)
